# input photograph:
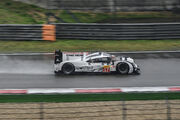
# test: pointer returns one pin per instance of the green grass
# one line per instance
(87, 97)
(14, 12)
(89, 17)
(20, 13)
(88, 45)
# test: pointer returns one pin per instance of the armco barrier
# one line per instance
(27, 32)
(135, 31)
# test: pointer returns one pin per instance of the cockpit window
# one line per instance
(91, 56)
(106, 54)
(100, 60)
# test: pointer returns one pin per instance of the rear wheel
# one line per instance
(122, 68)
(68, 68)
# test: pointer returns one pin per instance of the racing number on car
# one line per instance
(106, 68)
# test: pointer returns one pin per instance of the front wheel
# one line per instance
(68, 68)
(122, 68)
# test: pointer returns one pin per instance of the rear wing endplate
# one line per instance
(66, 56)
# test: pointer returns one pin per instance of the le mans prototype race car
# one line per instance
(98, 62)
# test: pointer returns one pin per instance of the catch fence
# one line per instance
(118, 110)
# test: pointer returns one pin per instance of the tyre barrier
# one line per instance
(128, 31)
(27, 32)
(91, 31)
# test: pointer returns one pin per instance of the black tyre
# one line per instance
(68, 68)
(122, 68)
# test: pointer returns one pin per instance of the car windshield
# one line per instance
(93, 55)
(100, 60)
(106, 54)
(97, 54)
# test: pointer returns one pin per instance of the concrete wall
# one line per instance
(107, 5)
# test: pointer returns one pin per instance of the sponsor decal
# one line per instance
(85, 68)
(106, 68)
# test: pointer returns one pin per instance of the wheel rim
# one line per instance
(68, 68)
(123, 68)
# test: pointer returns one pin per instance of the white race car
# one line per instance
(98, 62)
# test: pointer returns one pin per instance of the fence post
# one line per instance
(123, 110)
(168, 109)
(111, 6)
(114, 11)
(41, 111)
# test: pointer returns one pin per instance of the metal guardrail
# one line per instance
(136, 31)
(119, 110)
(26, 32)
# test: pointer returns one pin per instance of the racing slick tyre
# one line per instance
(122, 68)
(68, 68)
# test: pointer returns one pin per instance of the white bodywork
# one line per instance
(95, 62)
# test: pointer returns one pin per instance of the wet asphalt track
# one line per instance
(37, 72)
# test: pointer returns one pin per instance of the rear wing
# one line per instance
(58, 57)
(66, 56)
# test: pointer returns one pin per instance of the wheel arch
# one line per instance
(131, 68)
(66, 68)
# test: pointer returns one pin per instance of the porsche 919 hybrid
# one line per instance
(98, 62)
